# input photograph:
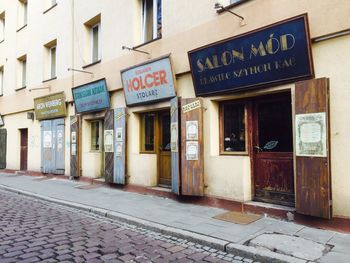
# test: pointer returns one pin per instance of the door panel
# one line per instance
(120, 145)
(74, 146)
(313, 174)
(58, 131)
(109, 156)
(46, 146)
(24, 150)
(3, 145)
(273, 150)
(175, 145)
(164, 149)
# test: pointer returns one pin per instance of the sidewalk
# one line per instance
(268, 240)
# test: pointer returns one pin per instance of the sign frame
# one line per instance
(51, 116)
(94, 110)
(172, 76)
(225, 90)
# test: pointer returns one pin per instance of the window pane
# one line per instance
(1, 80)
(95, 35)
(95, 136)
(234, 139)
(165, 122)
(53, 62)
(148, 132)
(25, 13)
(147, 20)
(159, 18)
(24, 73)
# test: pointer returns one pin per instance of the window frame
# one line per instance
(100, 146)
(143, 23)
(142, 133)
(2, 26)
(1, 80)
(247, 120)
(98, 26)
(55, 68)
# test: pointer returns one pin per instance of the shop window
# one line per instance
(22, 72)
(1, 80)
(233, 128)
(148, 121)
(2, 26)
(151, 20)
(95, 136)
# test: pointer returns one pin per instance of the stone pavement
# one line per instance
(266, 240)
(33, 230)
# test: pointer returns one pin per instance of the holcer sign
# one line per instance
(152, 81)
(90, 97)
(50, 107)
(268, 56)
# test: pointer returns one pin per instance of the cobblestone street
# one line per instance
(38, 231)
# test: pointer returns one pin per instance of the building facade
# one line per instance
(244, 102)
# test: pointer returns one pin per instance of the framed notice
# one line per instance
(191, 130)
(108, 138)
(74, 149)
(174, 134)
(74, 137)
(119, 134)
(118, 148)
(192, 150)
(311, 134)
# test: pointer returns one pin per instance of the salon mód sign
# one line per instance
(272, 55)
(149, 82)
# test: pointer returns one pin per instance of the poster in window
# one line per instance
(311, 134)
(119, 134)
(174, 136)
(74, 137)
(119, 149)
(74, 149)
(108, 138)
(192, 150)
(47, 139)
(191, 130)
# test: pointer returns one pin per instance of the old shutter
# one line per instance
(313, 177)
(3, 136)
(108, 147)
(74, 146)
(119, 145)
(46, 146)
(175, 147)
(58, 131)
(192, 155)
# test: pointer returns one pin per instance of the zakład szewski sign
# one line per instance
(148, 82)
(50, 107)
(91, 97)
(278, 53)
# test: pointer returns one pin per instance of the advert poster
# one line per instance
(108, 138)
(47, 139)
(174, 134)
(191, 130)
(311, 134)
(192, 151)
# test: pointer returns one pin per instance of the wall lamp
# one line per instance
(221, 7)
(136, 50)
(48, 87)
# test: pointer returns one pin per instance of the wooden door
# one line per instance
(24, 150)
(109, 147)
(3, 145)
(74, 146)
(273, 150)
(313, 167)
(46, 146)
(120, 145)
(164, 149)
(175, 145)
(58, 129)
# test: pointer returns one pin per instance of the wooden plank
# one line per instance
(109, 156)
(74, 146)
(3, 145)
(119, 145)
(175, 145)
(192, 171)
(313, 174)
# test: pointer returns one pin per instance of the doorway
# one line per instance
(273, 150)
(164, 154)
(24, 149)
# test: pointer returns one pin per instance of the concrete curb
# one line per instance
(219, 244)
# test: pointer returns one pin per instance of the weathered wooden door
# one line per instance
(24, 150)
(175, 145)
(46, 146)
(120, 145)
(164, 149)
(313, 167)
(109, 146)
(273, 150)
(74, 146)
(3, 145)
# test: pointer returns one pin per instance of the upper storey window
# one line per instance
(22, 13)
(151, 20)
(2, 26)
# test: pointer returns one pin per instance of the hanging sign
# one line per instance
(50, 107)
(149, 82)
(275, 54)
(91, 97)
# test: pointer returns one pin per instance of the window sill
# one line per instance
(47, 80)
(148, 42)
(222, 10)
(21, 88)
(234, 154)
(19, 29)
(91, 64)
(51, 7)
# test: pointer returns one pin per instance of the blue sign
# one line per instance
(275, 54)
(90, 97)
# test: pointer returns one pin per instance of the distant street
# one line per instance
(37, 231)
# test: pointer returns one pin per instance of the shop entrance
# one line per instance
(164, 155)
(24, 150)
(273, 150)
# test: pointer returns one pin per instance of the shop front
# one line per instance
(272, 113)
(50, 111)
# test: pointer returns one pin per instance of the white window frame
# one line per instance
(98, 25)
(2, 26)
(55, 66)
(154, 22)
(1, 80)
(24, 73)
(25, 12)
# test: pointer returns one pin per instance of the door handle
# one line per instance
(258, 148)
